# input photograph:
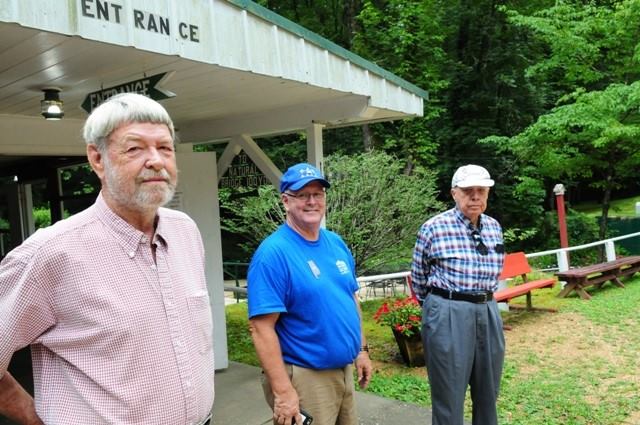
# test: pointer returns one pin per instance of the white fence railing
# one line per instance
(389, 282)
(561, 253)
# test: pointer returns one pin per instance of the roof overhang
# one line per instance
(235, 68)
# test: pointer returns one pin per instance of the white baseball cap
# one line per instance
(471, 175)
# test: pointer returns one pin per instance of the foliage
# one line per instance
(591, 44)
(491, 69)
(405, 37)
(333, 19)
(403, 314)
(79, 180)
(581, 229)
(374, 207)
(584, 59)
(625, 207)
(41, 217)
(240, 344)
(593, 141)
(488, 92)
(252, 215)
(400, 386)
(377, 208)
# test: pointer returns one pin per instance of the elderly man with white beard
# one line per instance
(113, 300)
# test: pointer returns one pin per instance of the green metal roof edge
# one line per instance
(301, 31)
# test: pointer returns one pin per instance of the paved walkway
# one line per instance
(239, 401)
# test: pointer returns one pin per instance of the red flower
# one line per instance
(384, 308)
(402, 314)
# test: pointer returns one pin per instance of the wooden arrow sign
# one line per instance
(147, 86)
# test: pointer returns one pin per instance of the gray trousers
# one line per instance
(464, 345)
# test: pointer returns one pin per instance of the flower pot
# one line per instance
(410, 348)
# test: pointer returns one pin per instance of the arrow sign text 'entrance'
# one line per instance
(146, 86)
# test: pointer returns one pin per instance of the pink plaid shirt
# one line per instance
(115, 337)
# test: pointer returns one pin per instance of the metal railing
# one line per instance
(392, 283)
(563, 259)
(232, 270)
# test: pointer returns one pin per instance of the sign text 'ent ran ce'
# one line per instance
(144, 20)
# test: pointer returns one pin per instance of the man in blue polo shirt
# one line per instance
(456, 263)
(304, 315)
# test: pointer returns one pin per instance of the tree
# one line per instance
(595, 140)
(573, 47)
(333, 19)
(588, 45)
(405, 37)
(374, 206)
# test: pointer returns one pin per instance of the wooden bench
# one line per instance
(579, 278)
(516, 264)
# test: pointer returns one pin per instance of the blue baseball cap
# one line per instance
(300, 175)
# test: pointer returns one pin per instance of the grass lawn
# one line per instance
(619, 208)
(577, 366)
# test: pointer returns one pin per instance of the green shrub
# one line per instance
(372, 204)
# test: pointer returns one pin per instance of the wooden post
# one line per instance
(562, 219)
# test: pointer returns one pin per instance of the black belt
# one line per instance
(472, 297)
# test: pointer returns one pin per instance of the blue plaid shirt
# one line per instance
(445, 255)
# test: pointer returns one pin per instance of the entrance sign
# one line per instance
(103, 10)
(146, 86)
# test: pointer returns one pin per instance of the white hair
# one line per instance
(122, 109)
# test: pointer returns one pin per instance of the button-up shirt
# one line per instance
(116, 337)
(446, 254)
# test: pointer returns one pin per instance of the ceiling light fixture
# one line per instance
(51, 105)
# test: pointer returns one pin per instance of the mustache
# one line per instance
(150, 174)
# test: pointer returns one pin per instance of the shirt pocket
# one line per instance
(201, 320)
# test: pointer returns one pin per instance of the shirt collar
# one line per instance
(125, 234)
(465, 221)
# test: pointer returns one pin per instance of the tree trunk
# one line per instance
(351, 10)
(408, 167)
(366, 138)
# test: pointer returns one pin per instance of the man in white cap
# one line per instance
(456, 262)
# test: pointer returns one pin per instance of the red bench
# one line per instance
(516, 264)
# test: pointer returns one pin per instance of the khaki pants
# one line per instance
(327, 395)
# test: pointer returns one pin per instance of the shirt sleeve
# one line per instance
(420, 263)
(266, 285)
(25, 310)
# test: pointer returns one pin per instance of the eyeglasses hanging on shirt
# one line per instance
(477, 240)
(479, 243)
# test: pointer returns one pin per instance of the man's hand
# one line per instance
(364, 368)
(286, 407)
(286, 404)
(16, 403)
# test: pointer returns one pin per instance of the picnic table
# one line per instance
(579, 278)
